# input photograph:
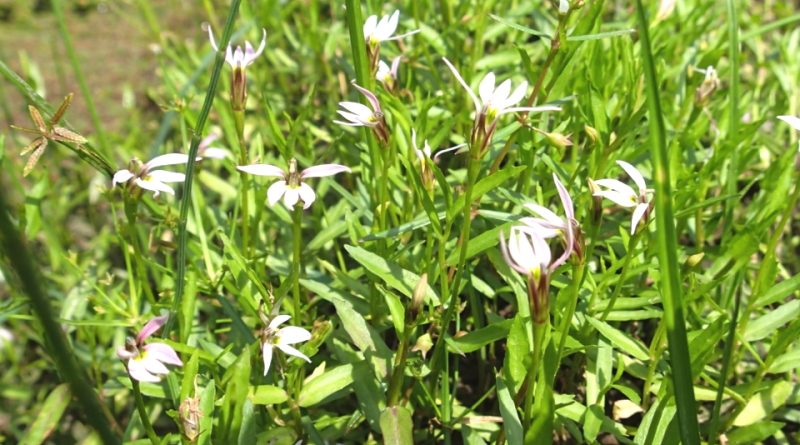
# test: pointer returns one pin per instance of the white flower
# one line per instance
(292, 187)
(143, 175)
(526, 252)
(240, 58)
(547, 224)
(376, 31)
(359, 115)
(146, 363)
(386, 75)
(283, 338)
(625, 196)
(563, 6)
(5, 337)
(496, 101)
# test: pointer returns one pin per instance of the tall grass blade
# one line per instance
(667, 249)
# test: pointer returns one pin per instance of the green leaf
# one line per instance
(485, 185)
(236, 389)
(621, 341)
(764, 403)
(396, 426)
(754, 433)
(517, 351)
(508, 409)
(779, 292)
(771, 321)
(481, 337)
(207, 400)
(392, 274)
(267, 395)
(320, 387)
(49, 415)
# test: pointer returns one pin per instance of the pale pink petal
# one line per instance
(545, 213)
(566, 200)
(167, 159)
(466, 87)
(124, 354)
(151, 327)
(371, 98)
(211, 38)
(165, 176)
(291, 196)
(356, 108)
(391, 25)
(307, 195)
(153, 366)
(121, 176)
(544, 228)
(294, 352)
(251, 55)
(163, 353)
(208, 140)
(266, 351)
(262, 170)
(238, 57)
(507, 255)
(279, 320)
(486, 87)
(618, 187)
(137, 371)
(401, 36)
(354, 123)
(635, 175)
(638, 213)
(229, 57)
(447, 150)
(215, 153)
(291, 335)
(275, 192)
(319, 171)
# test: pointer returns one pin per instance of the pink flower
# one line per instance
(292, 187)
(147, 363)
(240, 58)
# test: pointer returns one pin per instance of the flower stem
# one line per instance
(297, 225)
(632, 242)
(148, 427)
(131, 209)
(180, 279)
(245, 192)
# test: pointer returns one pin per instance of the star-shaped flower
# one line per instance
(146, 362)
(272, 337)
(143, 175)
(240, 58)
(623, 195)
(292, 187)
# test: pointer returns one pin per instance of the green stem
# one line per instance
(187, 185)
(148, 427)
(539, 335)
(245, 192)
(297, 239)
(733, 113)
(131, 210)
(670, 281)
(58, 11)
(58, 347)
(623, 273)
(473, 169)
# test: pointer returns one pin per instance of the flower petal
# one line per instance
(517, 95)
(486, 88)
(121, 176)
(291, 196)
(167, 159)
(322, 170)
(291, 335)
(466, 87)
(151, 327)
(791, 120)
(369, 26)
(262, 170)
(211, 38)
(360, 110)
(566, 200)
(165, 176)
(138, 371)
(371, 98)
(154, 186)
(638, 213)
(278, 320)
(618, 187)
(530, 109)
(153, 366)
(266, 351)
(163, 353)
(545, 213)
(275, 192)
(635, 175)
(307, 195)
(294, 352)
(500, 96)
(250, 55)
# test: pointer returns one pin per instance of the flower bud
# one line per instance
(190, 414)
(423, 345)
(238, 89)
(597, 202)
(710, 84)
(559, 140)
(418, 298)
(592, 133)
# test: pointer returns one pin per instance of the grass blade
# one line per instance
(667, 252)
(197, 135)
